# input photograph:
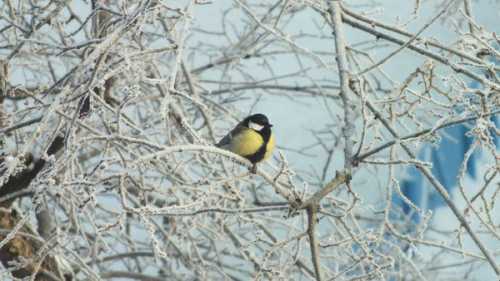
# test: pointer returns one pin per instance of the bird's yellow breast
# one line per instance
(247, 142)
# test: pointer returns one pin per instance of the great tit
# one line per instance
(252, 138)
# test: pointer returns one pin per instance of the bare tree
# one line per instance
(110, 109)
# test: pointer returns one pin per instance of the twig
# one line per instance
(422, 51)
(376, 23)
(363, 156)
(402, 47)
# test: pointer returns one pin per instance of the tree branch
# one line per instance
(335, 12)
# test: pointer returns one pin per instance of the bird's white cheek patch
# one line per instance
(255, 126)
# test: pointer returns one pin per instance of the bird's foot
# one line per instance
(253, 170)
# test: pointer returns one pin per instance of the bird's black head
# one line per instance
(257, 122)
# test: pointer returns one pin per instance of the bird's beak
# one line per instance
(270, 125)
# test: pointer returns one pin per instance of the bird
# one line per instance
(252, 138)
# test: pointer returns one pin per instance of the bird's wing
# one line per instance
(226, 140)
